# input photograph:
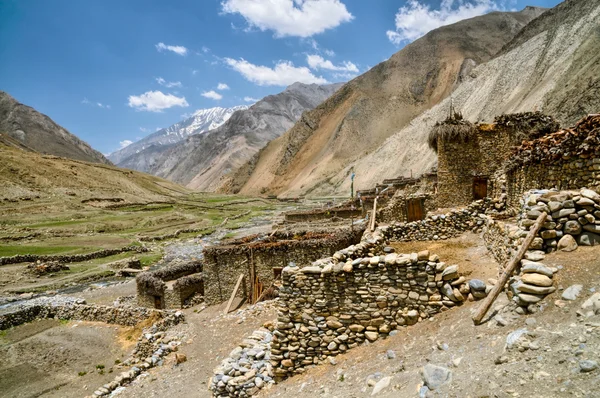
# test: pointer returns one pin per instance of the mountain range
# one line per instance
(200, 161)
(141, 154)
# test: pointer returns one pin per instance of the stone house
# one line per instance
(170, 287)
(470, 156)
(260, 258)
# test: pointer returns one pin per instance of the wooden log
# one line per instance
(489, 300)
(235, 289)
(373, 214)
(252, 278)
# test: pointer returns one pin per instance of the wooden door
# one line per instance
(480, 187)
(415, 209)
(158, 302)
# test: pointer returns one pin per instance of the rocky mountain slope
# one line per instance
(143, 153)
(552, 66)
(201, 160)
(318, 150)
(40, 133)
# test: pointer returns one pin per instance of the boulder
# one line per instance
(588, 239)
(536, 279)
(436, 376)
(572, 292)
(530, 267)
(588, 193)
(572, 227)
(567, 243)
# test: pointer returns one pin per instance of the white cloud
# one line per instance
(194, 72)
(144, 130)
(125, 143)
(415, 19)
(222, 86)
(344, 76)
(329, 53)
(205, 49)
(317, 62)
(167, 84)
(155, 101)
(212, 94)
(250, 99)
(86, 101)
(302, 18)
(283, 74)
(181, 50)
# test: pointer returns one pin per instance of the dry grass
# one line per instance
(128, 335)
(454, 128)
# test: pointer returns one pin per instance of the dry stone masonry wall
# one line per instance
(69, 258)
(358, 295)
(567, 159)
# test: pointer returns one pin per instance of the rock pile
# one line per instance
(150, 350)
(533, 284)
(42, 268)
(573, 219)
(247, 369)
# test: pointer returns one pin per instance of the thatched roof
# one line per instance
(454, 128)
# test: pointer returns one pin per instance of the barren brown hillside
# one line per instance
(369, 109)
(40, 133)
(25, 175)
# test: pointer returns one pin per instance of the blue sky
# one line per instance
(112, 71)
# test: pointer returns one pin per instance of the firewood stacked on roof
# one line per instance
(583, 139)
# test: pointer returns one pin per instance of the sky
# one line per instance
(114, 71)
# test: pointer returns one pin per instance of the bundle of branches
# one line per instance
(147, 282)
(584, 138)
(175, 271)
(454, 128)
(188, 281)
(528, 125)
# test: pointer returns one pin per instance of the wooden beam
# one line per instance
(373, 214)
(252, 278)
(235, 290)
(489, 300)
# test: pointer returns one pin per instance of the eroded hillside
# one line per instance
(374, 106)
(40, 133)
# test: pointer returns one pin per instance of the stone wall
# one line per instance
(45, 308)
(357, 295)
(70, 258)
(567, 159)
(323, 214)
(444, 226)
(502, 239)
(225, 263)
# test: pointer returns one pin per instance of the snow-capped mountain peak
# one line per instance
(201, 121)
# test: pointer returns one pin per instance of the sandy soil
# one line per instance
(208, 336)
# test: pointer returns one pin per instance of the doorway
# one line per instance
(415, 209)
(480, 185)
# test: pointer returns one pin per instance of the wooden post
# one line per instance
(252, 278)
(489, 300)
(373, 214)
(235, 289)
